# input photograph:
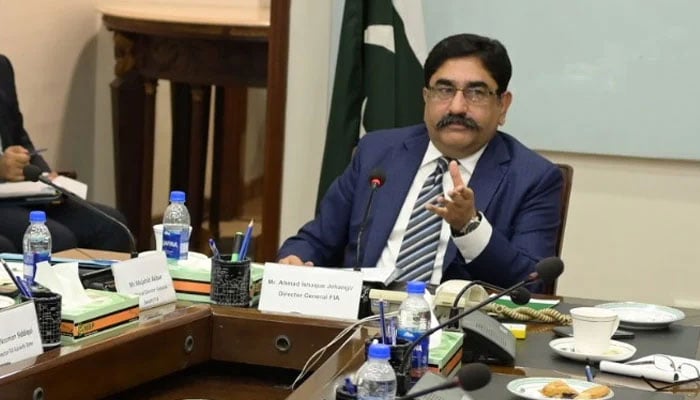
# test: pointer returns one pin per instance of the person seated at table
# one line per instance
(71, 225)
(462, 200)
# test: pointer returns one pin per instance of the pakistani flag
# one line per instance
(378, 77)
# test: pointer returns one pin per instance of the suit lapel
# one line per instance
(489, 172)
(401, 167)
(487, 177)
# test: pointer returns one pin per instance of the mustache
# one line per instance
(460, 119)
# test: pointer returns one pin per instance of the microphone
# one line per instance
(547, 270)
(34, 173)
(376, 180)
(470, 377)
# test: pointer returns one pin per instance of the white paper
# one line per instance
(436, 337)
(649, 371)
(25, 189)
(637, 371)
(316, 291)
(147, 277)
(63, 278)
(19, 333)
(77, 187)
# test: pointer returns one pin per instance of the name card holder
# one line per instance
(19, 333)
(313, 291)
(147, 277)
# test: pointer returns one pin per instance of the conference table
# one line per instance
(205, 351)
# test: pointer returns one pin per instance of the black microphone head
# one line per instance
(377, 177)
(473, 376)
(520, 296)
(31, 172)
(549, 269)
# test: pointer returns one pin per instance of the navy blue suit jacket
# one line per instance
(517, 190)
(12, 130)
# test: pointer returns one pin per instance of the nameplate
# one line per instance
(315, 291)
(19, 333)
(147, 277)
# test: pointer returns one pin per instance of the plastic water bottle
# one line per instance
(414, 320)
(36, 244)
(376, 379)
(176, 228)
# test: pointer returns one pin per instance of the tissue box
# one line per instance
(107, 311)
(192, 282)
(447, 357)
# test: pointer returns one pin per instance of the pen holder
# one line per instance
(397, 353)
(48, 313)
(230, 281)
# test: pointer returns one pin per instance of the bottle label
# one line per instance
(30, 262)
(175, 244)
(419, 358)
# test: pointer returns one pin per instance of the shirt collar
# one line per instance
(468, 163)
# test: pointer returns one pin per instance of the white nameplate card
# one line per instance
(19, 333)
(316, 291)
(147, 277)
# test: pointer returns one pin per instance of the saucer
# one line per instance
(618, 351)
(644, 316)
(529, 388)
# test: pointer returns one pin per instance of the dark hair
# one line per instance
(491, 52)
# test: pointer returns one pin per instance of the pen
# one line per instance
(237, 243)
(214, 250)
(37, 151)
(382, 322)
(17, 281)
(589, 374)
(246, 241)
(349, 387)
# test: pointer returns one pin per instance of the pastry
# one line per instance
(559, 390)
(596, 392)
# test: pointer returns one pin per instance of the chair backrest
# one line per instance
(567, 173)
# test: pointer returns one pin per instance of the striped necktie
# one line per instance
(419, 247)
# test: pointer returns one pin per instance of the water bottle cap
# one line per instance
(37, 216)
(177, 195)
(415, 287)
(379, 350)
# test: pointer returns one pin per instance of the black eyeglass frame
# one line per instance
(438, 92)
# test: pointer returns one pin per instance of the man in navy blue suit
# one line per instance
(497, 209)
(71, 225)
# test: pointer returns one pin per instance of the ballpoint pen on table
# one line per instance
(589, 373)
(37, 151)
(17, 281)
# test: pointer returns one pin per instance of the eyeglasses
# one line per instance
(478, 96)
(687, 373)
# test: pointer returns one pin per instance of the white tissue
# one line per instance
(435, 338)
(63, 278)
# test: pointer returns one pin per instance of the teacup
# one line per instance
(593, 328)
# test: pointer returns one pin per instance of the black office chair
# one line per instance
(567, 172)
